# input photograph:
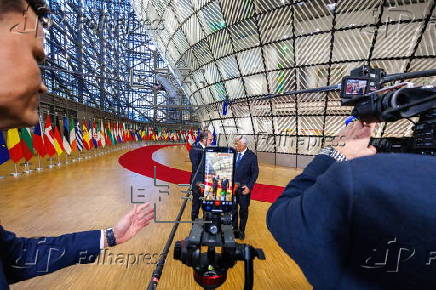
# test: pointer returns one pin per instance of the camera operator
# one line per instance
(20, 87)
(196, 156)
(246, 173)
(352, 220)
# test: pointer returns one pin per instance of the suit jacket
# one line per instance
(247, 171)
(25, 258)
(196, 155)
(368, 223)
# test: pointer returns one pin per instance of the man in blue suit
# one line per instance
(246, 173)
(196, 154)
(20, 87)
(356, 220)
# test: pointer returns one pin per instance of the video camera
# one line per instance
(215, 230)
(372, 103)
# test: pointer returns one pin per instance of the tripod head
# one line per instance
(210, 268)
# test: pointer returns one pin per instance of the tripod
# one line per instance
(210, 268)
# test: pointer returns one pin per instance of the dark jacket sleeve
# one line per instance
(254, 170)
(311, 220)
(25, 258)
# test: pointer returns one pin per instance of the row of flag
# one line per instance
(192, 138)
(25, 143)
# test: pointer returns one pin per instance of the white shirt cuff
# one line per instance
(102, 239)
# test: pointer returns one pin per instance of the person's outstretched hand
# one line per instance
(130, 224)
(354, 140)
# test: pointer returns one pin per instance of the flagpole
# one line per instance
(59, 162)
(39, 164)
(26, 168)
(15, 174)
(50, 160)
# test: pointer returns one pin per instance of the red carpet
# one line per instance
(141, 161)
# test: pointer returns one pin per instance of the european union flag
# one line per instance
(4, 153)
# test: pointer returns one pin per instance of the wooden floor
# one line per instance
(94, 193)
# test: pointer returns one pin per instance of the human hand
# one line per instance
(354, 140)
(135, 220)
(246, 190)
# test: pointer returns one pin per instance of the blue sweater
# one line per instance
(368, 223)
(25, 258)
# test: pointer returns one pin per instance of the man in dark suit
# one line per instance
(20, 87)
(352, 220)
(246, 173)
(197, 176)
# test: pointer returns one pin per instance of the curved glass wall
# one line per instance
(241, 50)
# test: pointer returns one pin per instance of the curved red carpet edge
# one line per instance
(141, 161)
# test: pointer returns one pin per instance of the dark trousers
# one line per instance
(196, 203)
(243, 202)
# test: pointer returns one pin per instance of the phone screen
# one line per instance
(218, 180)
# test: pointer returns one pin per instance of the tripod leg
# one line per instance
(248, 269)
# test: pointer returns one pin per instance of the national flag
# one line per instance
(190, 140)
(4, 153)
(119, 139)
(26, 143)
(86, 138)
(48, 137)
(73, 136)
(57, 138)
(66, 137)
(94, 136)
(110, 138)
(38, 142)
(14, 145)
(102, 134)
(79, 137)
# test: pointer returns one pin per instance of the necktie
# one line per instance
(238, 159)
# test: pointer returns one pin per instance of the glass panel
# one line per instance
(211, 18)
(235, 89)
(279, 55)
(193, 30)
(228, 67)
(276, 25)
(312, 16)
(220, 43)
(244, 34)
(250, 61)
(256, 85)
(313, 50)
(281, 81)
(236, 10)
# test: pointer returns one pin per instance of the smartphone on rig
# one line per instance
(219, 171)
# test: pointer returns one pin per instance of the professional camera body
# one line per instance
(373, 103)
(215, 230)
